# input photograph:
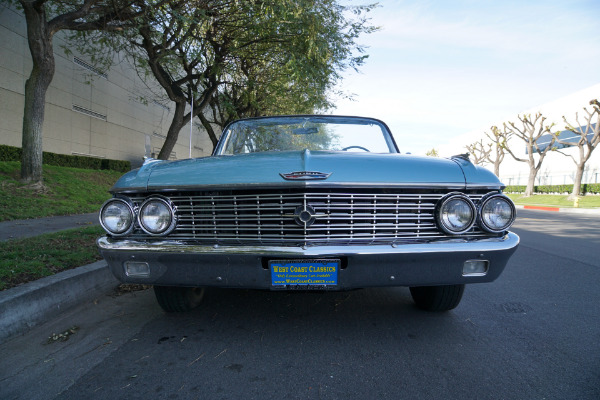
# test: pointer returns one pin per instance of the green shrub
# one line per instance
(591, 188)
(515, 189)
(554, 189)
(116, 165)
(64, 160)
(10, 153)
(586, 188)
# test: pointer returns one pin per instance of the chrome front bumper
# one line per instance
(424, 264)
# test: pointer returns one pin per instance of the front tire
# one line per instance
(437, 298)
(178, 299)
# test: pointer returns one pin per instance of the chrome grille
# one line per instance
(343, 217)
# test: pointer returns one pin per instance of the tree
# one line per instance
(258, 88)
(276, 85)
(254, 85)
(479, 151)
(498, 139)
(222, 53)
(589, 138)
(432, 153)
(482, 153)
(268, 92)
(530, 130)
(44, 19)
(181, 48)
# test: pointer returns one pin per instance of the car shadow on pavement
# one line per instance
(287, 341)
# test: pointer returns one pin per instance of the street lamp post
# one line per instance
(191, 92)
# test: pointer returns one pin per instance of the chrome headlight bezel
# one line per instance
(440, 210)
(130, 208)
(172, 214)
(481, 221)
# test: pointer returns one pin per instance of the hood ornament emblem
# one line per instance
(304, 175)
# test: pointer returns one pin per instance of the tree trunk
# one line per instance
(40, 46)
(577, 183)
(173, 134)
(531, 182)
(209, 130)
(497, 168)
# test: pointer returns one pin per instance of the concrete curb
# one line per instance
(589, 211)
(34, 303)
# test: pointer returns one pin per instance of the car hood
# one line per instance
(346, 168)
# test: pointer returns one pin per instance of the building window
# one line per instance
(89, 113)
(89, 67)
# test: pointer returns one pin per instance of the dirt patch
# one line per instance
(129, 288)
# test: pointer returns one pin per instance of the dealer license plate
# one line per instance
(300, 274)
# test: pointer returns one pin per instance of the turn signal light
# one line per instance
(475, 268)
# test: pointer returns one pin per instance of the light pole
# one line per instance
(190, 90)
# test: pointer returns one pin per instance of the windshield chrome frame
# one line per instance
(325, 118)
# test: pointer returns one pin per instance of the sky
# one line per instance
(439, 69)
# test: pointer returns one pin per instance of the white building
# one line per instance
(90, 112)
(556, 169)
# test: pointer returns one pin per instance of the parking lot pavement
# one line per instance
(34, 366)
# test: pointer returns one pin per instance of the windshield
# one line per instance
(306, 132)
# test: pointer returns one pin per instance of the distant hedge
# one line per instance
(10, 153)
(586, 188)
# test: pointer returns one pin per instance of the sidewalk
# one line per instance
(32, 227)
(588, 211)
(31, 304)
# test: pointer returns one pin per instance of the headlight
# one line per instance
(456, 214)
(497, 213)
(116, 217)
(156, 216)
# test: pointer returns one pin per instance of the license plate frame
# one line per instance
(304, 274)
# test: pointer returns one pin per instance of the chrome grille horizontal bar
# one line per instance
(340, 217)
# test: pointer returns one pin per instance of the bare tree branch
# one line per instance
(585, 144)
(479, 151)
(530, 131)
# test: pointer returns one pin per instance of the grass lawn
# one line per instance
(25, 260)
(552, 200)
(68, 191)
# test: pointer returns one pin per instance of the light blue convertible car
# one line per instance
(308, 203)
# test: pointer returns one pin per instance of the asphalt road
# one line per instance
(532, 334)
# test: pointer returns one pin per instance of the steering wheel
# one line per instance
(356, 147)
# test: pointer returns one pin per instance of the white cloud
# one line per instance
(445, 68)
(530, 27)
